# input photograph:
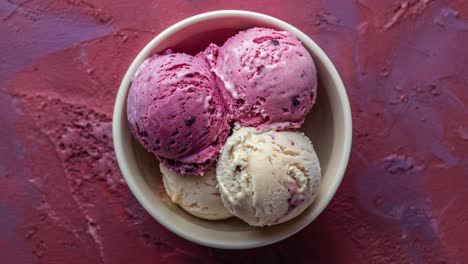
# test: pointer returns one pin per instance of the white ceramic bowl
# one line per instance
(328, 125)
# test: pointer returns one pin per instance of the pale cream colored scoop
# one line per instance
(267, 178)
(196, 194)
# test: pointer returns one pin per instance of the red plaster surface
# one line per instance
(404, 197)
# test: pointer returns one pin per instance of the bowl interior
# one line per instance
(327, 126)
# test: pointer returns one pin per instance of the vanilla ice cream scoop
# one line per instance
(198, 195)
(267, 178)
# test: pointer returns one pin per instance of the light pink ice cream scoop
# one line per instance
(268, 78)
(175, 110)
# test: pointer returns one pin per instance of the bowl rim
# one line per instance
(119, 112)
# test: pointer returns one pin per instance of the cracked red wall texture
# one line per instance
(403, 198)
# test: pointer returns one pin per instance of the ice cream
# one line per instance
(175, 110)
(210, 54)
(268, 177)
(180, 108)
(268, 78)
(198, 195)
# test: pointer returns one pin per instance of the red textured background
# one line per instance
(403, 199)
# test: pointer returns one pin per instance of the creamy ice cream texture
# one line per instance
(180, 108)
(269, 177)
(268, 78)
(198, 195)
(175, 110)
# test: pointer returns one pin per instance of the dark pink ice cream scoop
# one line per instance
(176, 111)
(268, 78)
